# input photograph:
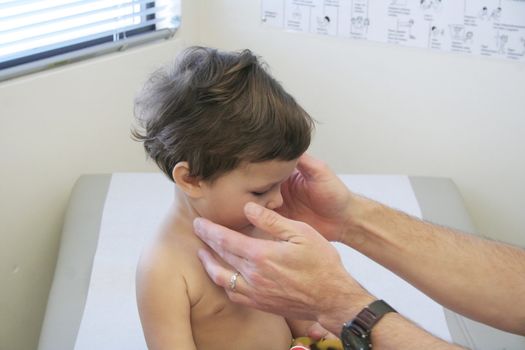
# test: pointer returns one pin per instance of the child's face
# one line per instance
(223, 200)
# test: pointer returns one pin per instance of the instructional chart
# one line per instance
(494, 28)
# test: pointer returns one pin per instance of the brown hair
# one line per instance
(215, 110)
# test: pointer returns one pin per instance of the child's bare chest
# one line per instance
(218, 323)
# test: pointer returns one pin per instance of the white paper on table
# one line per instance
(134, 207)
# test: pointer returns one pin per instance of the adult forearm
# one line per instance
(481, 279)
(393, 331)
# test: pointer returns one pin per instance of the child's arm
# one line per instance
(164, 307)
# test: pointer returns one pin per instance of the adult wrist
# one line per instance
(356, 228)
(345, 306)
(356, 333)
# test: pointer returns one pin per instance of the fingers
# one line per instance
(239, 298)
(223, 278)
(311, 167)
(215, 270)
(270, 222)
(231, 281)
(318, 332)
(230, 245)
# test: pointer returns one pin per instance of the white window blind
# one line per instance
(35, 35)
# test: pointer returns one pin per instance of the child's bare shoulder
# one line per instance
(169, 276)
(164, 293)
(171, 250)
(170, 256)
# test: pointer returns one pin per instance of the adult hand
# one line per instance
(315, 195)
(298, 275)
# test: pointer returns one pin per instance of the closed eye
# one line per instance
(264, 190)
(258, 194)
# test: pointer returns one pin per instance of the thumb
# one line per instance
(311, 167)
(270, 222)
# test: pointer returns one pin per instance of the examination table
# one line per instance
(91, 303)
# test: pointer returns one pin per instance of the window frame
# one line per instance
(67, 54)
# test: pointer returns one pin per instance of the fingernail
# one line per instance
(201, 253)
(253, 209)
(197, 225)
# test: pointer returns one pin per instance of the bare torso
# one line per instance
(216, 322)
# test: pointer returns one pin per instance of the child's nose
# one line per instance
(276, 200)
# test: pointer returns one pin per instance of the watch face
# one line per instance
(353, 341)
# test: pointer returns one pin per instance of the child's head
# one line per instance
(223, 129)
(216, 110)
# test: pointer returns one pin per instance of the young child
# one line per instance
(226, 133)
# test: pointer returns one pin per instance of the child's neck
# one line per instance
(182, 207)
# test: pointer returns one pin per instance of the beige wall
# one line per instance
(388, 109)
(382, 109)
(55, 126)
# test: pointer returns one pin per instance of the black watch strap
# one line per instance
(356, 333)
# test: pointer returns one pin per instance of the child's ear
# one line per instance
(187, 183)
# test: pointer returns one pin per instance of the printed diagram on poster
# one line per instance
(494, 28)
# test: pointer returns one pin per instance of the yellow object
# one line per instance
(323, 344)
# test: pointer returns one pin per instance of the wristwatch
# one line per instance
(356, 333)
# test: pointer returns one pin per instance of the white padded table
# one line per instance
(78, 317)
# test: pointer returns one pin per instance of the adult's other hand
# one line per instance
(315, 195)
